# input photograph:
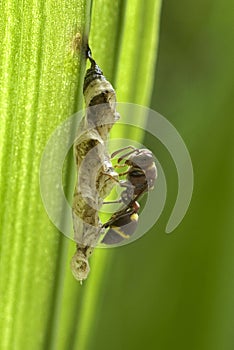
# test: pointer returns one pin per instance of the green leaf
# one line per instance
(41, 74)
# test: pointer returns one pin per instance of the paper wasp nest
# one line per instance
(95, 174)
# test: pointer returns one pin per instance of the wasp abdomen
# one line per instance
(122, 228)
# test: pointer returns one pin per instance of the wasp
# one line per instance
(141, 175)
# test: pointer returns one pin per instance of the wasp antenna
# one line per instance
(127, 154)
(123, 149)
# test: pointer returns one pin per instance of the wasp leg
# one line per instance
(113, 202)
(122, 183)
(125, 173)
(120, 166)
(110, 176)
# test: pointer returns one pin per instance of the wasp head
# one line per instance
(142, 158)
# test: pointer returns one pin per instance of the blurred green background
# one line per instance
(163, 291)
(176, 291)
